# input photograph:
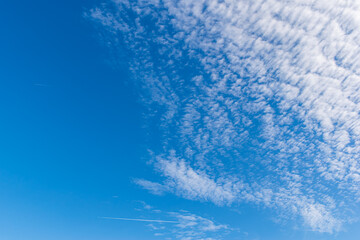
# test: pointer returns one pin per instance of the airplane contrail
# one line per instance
(140, 220)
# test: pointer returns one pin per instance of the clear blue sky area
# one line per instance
(74, 143)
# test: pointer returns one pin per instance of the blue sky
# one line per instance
(179, 120)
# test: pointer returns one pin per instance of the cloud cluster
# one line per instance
(182, 224)
(192, 226)
(255, 101)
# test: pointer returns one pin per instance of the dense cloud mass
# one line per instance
(253, 101)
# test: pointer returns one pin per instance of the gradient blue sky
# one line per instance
(85, 137)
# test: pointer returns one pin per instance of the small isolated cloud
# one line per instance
(192, 226)
(153, 187)
(187, 220)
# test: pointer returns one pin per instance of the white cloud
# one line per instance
(192, 226)
(260, 100)
(139, 220)
(155, 188)
(192, 184)
(179, 225)
(319, 218)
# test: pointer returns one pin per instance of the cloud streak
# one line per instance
(139, 220)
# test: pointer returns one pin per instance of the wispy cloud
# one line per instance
(139, 220)
(192, 184)
(153, 187)
(192, 226)
(254, 101)
(185, 225)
